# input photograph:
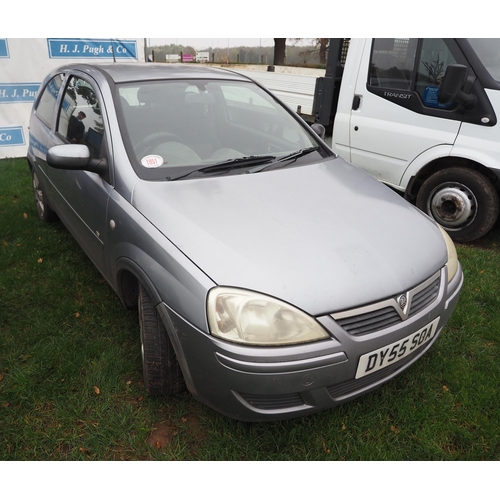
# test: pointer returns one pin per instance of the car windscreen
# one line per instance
(488, 51)
(173, 127)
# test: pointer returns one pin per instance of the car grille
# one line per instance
(387, 313)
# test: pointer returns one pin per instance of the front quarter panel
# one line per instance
(138, 247)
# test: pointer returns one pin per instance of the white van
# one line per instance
(202, 57)
(420, 115)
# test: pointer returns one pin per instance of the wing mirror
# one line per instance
(75, 157)
(452, 84)
(319, 129)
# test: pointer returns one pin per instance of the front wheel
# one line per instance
(462, 200)
(161, 370)
(43, 209)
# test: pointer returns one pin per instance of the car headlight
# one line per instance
(452, 263)
(252, 318)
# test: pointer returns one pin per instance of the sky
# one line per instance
(197, 20)
(194, 19)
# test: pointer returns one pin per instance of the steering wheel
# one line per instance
(149, 142)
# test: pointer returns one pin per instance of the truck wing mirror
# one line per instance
(319, 130)
(451, 86)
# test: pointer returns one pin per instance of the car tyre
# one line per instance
(161, 371)
(43, 209)
(463, 201)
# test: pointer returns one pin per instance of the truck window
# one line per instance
(392, 63)
(434, 58)
(488, 51)
(405, 64)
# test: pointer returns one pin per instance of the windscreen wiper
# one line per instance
(291, 156)
(227, 165)
(245, 161)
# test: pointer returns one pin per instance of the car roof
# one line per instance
(130, 72)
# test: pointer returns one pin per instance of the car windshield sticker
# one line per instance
(152, 161)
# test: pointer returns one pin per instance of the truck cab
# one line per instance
(420, 114)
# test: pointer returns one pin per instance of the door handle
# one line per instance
(356, 102)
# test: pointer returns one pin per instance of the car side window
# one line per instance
(80, 118)
(46, 104)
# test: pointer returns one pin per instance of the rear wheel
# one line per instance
(43, 209)
(161, 370)
(462, 200)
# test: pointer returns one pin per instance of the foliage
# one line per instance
(296, 55)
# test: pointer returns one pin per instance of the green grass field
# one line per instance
(71, 379)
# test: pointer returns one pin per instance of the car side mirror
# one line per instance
(451, 86)
(319, 129)
(75, 157)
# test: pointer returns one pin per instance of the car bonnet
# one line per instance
(324, 237)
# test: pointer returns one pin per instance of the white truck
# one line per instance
(202, 57)
(419, 114)
(172, 58)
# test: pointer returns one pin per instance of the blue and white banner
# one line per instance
(18, 92)
(4, 48)
(11, 136)
(80, 48)
(25, 62)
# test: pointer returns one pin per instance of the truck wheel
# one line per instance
(43, 209)
(462, 200)
(161, 370)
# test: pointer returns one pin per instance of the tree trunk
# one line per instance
(323, 42)
(279, 51)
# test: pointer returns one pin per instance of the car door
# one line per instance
(80, 198)
(396, 115)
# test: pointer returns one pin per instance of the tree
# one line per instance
(279, 51)
(321, 46)
(322, 43)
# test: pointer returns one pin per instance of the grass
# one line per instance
(71, 381)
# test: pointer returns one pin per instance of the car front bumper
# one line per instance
(272, 383)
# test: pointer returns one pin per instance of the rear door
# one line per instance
(396, 115)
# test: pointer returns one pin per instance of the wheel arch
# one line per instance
(462, 198)
(30, 164)
(416, 181)
(128, 277)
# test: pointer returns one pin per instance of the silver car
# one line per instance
(273, 279)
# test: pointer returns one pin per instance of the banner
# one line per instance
(25, 62)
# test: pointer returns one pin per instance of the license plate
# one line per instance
(389, 354)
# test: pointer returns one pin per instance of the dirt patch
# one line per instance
(161, 435)
(188, 429)
(193, 427)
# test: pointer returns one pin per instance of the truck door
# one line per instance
(395, 112)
